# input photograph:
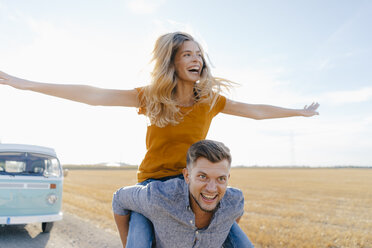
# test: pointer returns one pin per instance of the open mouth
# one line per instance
(208, 198)
(194, 70)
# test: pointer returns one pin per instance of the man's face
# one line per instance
(207, 183)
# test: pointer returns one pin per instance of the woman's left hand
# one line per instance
(310, 110)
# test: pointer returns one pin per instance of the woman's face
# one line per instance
(188, 62)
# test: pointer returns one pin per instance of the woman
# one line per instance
(180, 102)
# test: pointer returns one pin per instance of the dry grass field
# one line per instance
(283, 207)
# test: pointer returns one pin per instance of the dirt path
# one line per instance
(72, 231)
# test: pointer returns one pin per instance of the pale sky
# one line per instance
(284, 53)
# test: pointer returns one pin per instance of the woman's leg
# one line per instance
(141, 232)
(237, 238)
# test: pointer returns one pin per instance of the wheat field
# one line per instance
(283, 207)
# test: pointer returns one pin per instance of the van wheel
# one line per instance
(46, 226)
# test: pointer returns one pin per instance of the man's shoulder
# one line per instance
(170, 187)
(234, 193)
(233, 198)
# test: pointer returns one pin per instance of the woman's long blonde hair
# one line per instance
(159, 97)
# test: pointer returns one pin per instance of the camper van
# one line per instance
(31, 180)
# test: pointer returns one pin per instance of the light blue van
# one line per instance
(31, 181)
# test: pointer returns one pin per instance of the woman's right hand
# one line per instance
(15, 82)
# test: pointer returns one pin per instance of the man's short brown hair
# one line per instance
(212, 150)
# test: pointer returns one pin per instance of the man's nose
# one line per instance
(211, 186)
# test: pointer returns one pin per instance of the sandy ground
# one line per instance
(287, 208)
(72, 231)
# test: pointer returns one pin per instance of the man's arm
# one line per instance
(133, 198)
(238, 219)
(122, 222)
(136, 198)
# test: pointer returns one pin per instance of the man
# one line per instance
(196, 212)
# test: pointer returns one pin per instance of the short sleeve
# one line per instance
(219, 105)
(234, 201)
(142, 109)
(132, 198)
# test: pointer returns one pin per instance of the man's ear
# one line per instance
(185, 173)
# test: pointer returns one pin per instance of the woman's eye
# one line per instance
(202, 176)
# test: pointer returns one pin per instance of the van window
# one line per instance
(29, 164)
(15, 166)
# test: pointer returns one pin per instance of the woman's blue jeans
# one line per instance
(141, 231)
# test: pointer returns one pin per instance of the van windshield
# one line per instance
(29, 164)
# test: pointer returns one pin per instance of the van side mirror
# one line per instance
(65, 172)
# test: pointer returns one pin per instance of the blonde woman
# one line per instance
(180, 102)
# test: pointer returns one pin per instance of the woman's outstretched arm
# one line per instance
(78, 93)
(262, 111)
